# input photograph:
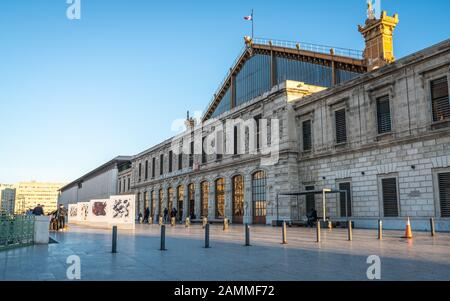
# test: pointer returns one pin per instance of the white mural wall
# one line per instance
(115, 211)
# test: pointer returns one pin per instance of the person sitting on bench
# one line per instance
(312, 218)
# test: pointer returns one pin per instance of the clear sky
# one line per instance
(76, 93)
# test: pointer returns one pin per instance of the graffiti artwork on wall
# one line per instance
(99, 208)
(73, 211)
(121, 208)
(84, 211)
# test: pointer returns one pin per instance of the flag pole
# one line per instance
(253, 30)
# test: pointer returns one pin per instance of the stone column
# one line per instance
(212, 201)
(156, 200)
(228, 199)
(248, 213)
(186, 201)
(198, 209)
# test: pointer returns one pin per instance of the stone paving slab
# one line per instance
(138, 257)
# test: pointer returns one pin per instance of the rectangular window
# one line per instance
(129, 184)
(140, 171)
(390, 199)
(345, 187)
(341, 126)
(191, 154)
(219, 145)
(161, 164)
(180, 161)
(235, 140)
(153, 167)
(146, 169)
(258, 131)
(444, 193)
(440, 99)
(306, 127)
(170, 160)
(310, 199)
(384, 115)
(120, 186)
(204, 158)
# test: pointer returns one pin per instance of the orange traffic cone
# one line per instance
(408, 232)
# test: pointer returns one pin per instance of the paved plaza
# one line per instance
(139, 258)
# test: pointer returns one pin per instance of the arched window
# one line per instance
(145, 200)
(138, 205)
(220, 198)
(191, 198)
(152, 202)
(204, 198)
(160, 207)
(259, 197)
(170, 195)
(180, 198)
(238, 198)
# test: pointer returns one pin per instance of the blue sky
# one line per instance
(74, 94)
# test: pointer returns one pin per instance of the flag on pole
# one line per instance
(248, 18)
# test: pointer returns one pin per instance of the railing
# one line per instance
(352, 53)
(16, 231)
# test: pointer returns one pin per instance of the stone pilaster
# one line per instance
(228, 198)
(248, 199)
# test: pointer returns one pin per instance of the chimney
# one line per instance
(378, 35)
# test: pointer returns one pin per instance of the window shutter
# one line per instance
(444, 193)
(307, 135)
(341, 126)
(384, 115)
(440, 100)
(191, 154)
(204, 158)
(390, 202)
(170, 160)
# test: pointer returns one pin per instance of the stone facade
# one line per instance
(414, 151)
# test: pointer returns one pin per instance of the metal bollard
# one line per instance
(284, 234)
(432, 226)
(247, 235)
(187, 222)
(350, 231)
(318, 232)
(207, 236)
(204, 222)
(114, 239)
(160, 222)
(163, 238)
(172, 221)
(225, 224)
(380, 229)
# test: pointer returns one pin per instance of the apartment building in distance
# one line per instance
(7, 198)
(29, 194)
